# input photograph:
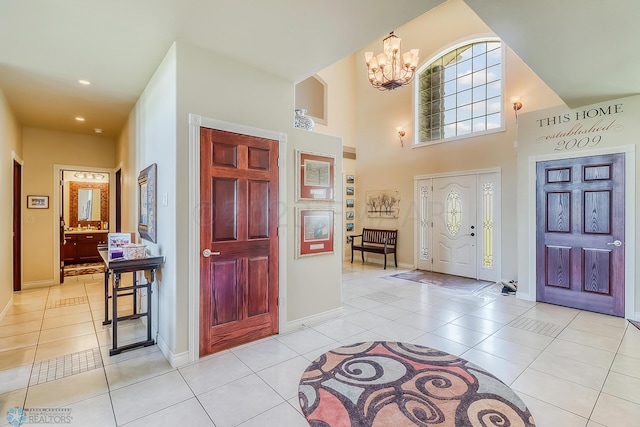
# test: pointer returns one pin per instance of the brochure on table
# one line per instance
(117, 242)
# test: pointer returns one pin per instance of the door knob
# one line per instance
(207, 253)
(615, 243)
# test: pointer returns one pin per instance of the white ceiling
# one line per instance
(582, 49)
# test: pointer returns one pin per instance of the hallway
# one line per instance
(568, 366)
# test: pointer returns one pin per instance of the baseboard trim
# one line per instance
(37, 284)
(297, 324)
(380, 262)
(6, 307)
(176, 360)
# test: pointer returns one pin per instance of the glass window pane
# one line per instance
(480, 93)
(464, 113)
(464, 68)
(494, 89)
(464, 52)
(494, 105)
(479, 78)
(450, 131)
(464, 128)
(464, 97)
(493, 121)
(464, 82)
(494, 73)
(450, 73)
(449, 117)
(436, 106)
(479, 48)
(479, 62)
(449, 102)
(479, 124)
(479, 109)
(449, 58)
(450, 87)
(453, 212)
(493, 45)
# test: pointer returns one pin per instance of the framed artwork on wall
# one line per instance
(350, 203)
(315, 231)
(351, 179)
(37, 202)
(147, 219)
(315, 178)
(350, 191)
(383, 203)
(350, 215)
(349, 226)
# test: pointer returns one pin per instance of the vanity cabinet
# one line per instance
(82, 247)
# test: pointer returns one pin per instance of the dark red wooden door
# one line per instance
(239, 226)
(580, 233)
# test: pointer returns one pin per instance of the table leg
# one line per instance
(114, 314)
(106, 297)
(149, 307)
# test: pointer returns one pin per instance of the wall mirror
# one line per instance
(86, 200)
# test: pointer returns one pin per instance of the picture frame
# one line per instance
(350, 191)
(351, 179)
(383, 203)
(315, 180)
(315, 231)
(37, 202)
(350, 226)
(147, 191)
(350, 215)
(350, 203)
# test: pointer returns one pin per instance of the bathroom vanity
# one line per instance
(81, 246)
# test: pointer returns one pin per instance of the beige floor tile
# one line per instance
(581, 353)
(69, 319)
(513, 352)
(17, 357)
(25, 308)
(623, 386)
(505, 370)
(63, 311)
(559, 315)
(571, 370)
(18, 341)
(65, 332)
(602, 342)
(10, 400)
(20, 328)
(548, 415)
(65, 346)
(138, 369)
(187, 413)
(93, 412)
(626, 365)
(519, 336)
(459, 334)
(604, 319)
(14, 378)
(595, 326)
(11, 319)
(630, 345)
(612, 411)
(572, 397)
(68, 390)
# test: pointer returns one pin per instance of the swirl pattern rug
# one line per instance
(393, 384)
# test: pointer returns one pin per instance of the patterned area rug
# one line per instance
(453, 283)
(382, 384)
(80, 269)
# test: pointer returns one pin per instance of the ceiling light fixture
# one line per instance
(97, 130)
(80, 119)
(391, 69)
(84, 82)
(89, 175)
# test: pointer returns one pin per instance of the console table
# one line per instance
(115, 268)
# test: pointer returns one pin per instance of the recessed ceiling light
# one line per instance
(84, 82)
(80, 119)
(97, 130)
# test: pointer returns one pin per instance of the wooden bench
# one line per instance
(376, 241)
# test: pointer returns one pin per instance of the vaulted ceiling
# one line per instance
(583, 49)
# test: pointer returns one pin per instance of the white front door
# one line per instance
(454, 225)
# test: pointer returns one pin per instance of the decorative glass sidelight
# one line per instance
(453, 212)
(487, 224)
(424, 223)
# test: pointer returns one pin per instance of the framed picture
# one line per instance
(38, 202)
(349, 226)
(315, 176)
(350, 215)
(383, 203)
(315, 231)
(350, 191)
(350, 179)
(147, 218)
(350, 203)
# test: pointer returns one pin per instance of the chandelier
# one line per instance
(391, 69)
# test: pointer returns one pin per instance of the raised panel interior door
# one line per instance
(238, 239)
(454, 227)
(580, 233)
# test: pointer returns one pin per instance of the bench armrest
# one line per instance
(353, 238)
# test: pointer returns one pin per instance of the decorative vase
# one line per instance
(302, 121)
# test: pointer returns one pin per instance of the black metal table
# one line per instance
(115, 268)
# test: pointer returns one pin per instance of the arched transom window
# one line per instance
(460, 93)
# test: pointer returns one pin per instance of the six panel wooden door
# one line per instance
(580, 233)
(238, 239)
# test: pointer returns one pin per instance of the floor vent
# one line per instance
(65, 366)
(536, 326)
(67, 302)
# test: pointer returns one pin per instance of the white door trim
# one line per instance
(629, 151)
(195, 122)
(497, 214)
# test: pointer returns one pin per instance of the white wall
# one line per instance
(542, 136)
(10, 142)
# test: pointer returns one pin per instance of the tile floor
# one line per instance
(572, 368)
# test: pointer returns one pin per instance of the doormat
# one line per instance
(80, 269)
(455, 284)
